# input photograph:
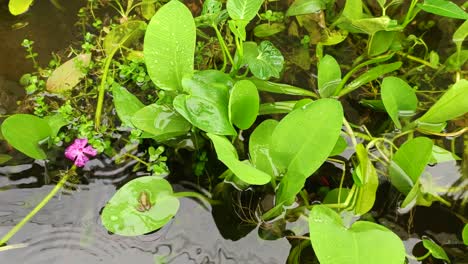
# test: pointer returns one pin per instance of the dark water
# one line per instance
(68, 228)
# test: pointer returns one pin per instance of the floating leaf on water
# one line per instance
(69, 74)
(363, 242)
(124, 214)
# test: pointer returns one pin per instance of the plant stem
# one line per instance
(198, 196)
(413, 58)
(224, 47)
(102, 89)
(38, 207)
(350, 132)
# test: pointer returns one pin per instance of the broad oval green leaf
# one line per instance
(244, 102)
(126, 104)
(17, 7)
(436, 250)
(412, 157)
(264, 62)
(228, 155)
(302, 141)
(24, 132)
(443, 8)
(329, 76)
(398, 98)
(160, 121)
(260, 147)
(69, 74)
(363, 242)
(452, 104)
(206, 105)
(120, 215)
(169, 45)
(366, 181)
(304, 7)
(243, 9)
(123, 35)
(380, 42)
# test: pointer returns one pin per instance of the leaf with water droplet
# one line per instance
(121, 215)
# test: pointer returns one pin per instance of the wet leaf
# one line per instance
(17, 7)
(304, 7)
(302, 142)
(452, 104)
(265, 62)
(69, 74)
(398, 98)
(260, 147)
(363, 242)
(123, 35)
(329, 76)
(244, 171)
(412, 157)
(443, 8)
(121, 216)
(268, 29)
(243, 9)
(169, 45)
(126, 104)
(206, 105)
(436, 250)
(244, 103)
(160, 121)
(24, 132)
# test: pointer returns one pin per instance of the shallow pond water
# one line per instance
(68, 229)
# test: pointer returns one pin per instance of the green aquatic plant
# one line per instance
(226, 87)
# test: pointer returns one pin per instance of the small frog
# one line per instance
(144, 203)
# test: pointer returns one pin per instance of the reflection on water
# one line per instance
(68, 230)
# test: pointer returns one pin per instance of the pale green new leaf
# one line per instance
(244, 102)
(169, 45)
(436, 250)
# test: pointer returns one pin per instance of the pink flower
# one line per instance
(79, 152)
